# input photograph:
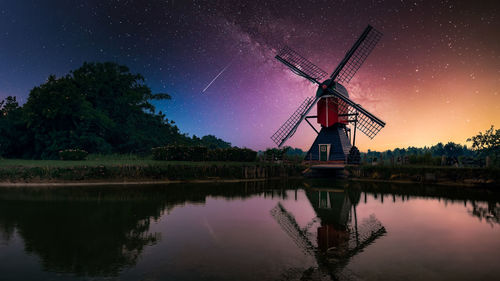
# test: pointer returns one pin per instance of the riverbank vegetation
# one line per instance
(427, 174)
(36, 171)
(202, 153)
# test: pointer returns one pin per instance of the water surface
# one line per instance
(286, 230)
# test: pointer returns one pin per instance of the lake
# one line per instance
(278, 230)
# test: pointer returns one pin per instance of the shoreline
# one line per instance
(443, 183)
(176, 173)
(220, 180)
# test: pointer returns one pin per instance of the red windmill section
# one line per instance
(328, 112)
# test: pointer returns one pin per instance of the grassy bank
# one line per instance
(128, 169)
(427, 174)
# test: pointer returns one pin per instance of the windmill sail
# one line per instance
(290, 126)
(300, 65)
(367, 123)
(356, 55)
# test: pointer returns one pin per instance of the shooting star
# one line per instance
(213, 80)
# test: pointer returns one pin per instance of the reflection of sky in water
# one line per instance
(237, 239)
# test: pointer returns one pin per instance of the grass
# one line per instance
(134, 168)
(95, 160)
(422, 173)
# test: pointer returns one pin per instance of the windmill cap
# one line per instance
(337, 86)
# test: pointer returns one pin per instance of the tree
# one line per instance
(438, 149)
(59, 117)
(125, 100)
(213, 142)
(99, 107)
(487, 144)
(14, 137)
(453, 150)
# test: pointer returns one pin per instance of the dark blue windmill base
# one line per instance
(336, 136)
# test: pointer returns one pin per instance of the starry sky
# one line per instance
(433, 77)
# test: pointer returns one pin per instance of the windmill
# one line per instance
(335, 110)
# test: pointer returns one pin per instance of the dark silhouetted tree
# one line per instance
(99, 107)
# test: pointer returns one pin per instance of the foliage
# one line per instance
(487, 143)
(159, 170)
(232, 154)
(285, 152)
(417, 173)
(483, 144)
(115, 157)
(273, 154)
(290, 151)
(179, 153)
(99, 107)
(211, 142)
(425, 159)
(13, 131)
(201, 153)
(73, 154)
(426, 155)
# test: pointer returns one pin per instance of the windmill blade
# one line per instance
(290, 126)
(356, 55)
(300, 65)
(290, 226)
(367, 123)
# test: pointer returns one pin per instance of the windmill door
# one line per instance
(323, 152)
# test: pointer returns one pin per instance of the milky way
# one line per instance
(434, 76)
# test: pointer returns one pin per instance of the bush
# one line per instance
(73, 154)
(232, 154)
(201, 153)
(179, 153)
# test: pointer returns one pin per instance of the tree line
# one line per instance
(484, 144)
(99, 107)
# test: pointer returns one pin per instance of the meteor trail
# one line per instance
(222, 71)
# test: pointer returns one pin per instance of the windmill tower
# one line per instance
(335, 111)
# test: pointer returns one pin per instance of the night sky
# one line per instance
(433, 77)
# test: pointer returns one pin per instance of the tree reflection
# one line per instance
(86, 238)
(487, 211)
(485, 204)
(98, 231)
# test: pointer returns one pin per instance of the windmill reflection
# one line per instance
(339, 235)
